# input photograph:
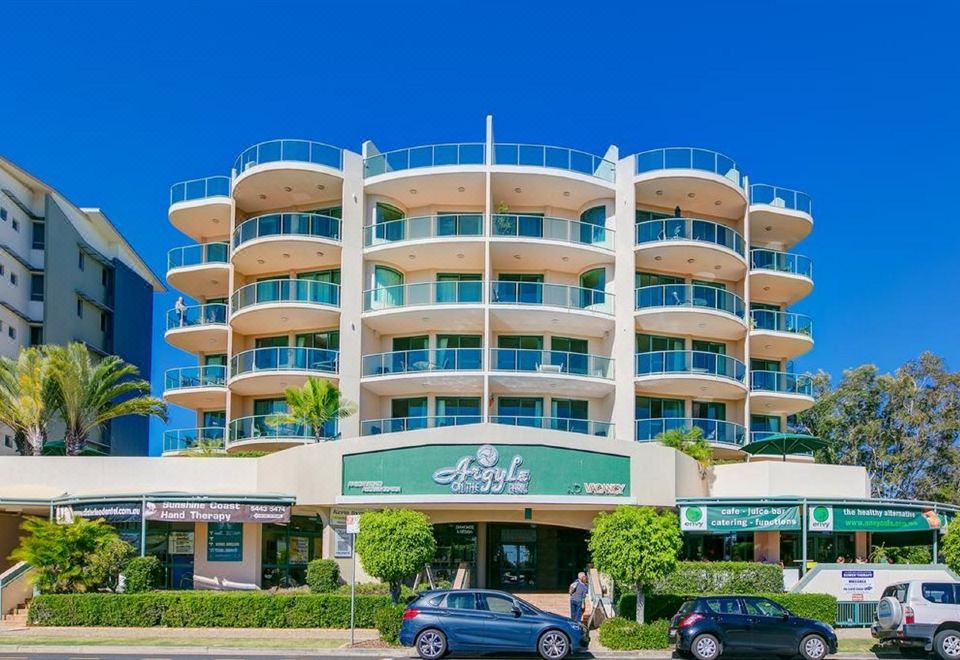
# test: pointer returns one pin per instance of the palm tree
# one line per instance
(690, 442)
(89, 393)
(316, 403)
(26, 399)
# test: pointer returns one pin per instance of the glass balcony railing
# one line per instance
(423, 293)
(289, 358)
(197, 315)
(552, 229)
(401, 424)
(198, 255)
(690, 295)
(689, 229)
(303, 151)
(180, 440)
(550, 362)
(779, 381)
(690, 362)
(423, 361)
(559, 158)
(688, 158)
(430, 155)
(584, 426)
(267, 428)
(211, 186)
(425, 227)
(209, 375)
(782, 262)
(551, 295)
(763, 319)
(785, 198)
(287, 224)
(286, 290)
(714, 430)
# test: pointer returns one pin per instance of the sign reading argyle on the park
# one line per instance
(850, 518)
(486, 470)
(724, 519)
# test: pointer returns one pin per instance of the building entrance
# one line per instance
(534, 557)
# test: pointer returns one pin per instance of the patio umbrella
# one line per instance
(784, 443)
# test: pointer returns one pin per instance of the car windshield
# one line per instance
(531, 607)
(763, 607)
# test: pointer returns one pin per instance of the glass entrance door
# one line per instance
(514, 559)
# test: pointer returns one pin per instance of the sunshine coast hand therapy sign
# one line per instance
(724, 519)
(494, 470)
(217, 512)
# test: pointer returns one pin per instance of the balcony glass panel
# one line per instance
(690, 362)
(783, 262)
(584, 426)
(423, 293)
(553, 229)
(285, 358)
(290, 150)
(778, 381)
(401, 424)
(433, 155)
(294, 224)
(271, 428)
(286, 290)
(689, 295)
(426, 360)
(714, 430)
(553, 295)
(551, 362)
(197, 255)
(687, 158)
(208, 438)
(689, 229)
(785, 198)
(421, 228)
(211, 186)
(763, 319)
(561, 158)
(211, 375)
(197, 315)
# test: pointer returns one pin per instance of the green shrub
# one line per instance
(619, 634)
(142, 574)
(323, 575)
(721, 577)
(819, 607)
(388, 620)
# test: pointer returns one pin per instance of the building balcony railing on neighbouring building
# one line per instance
(584, 426)
(559, 158)
(769, 320)
(552, 229)
(551, 295)
(197, 315)
(690, 362)
(269, 428)
(430, 155)
(689, 158)
(423, 293)
(209, 375)
(422, 361)
(550, 362)
(689, 229)
(312, 225)
(714, 430)
(211, 186)
(198, 255)
(444, 225)
(762, 193)
(401, 424)
(690, 295)
(779, 381)
(782, 262)
(303, 151)
(208, 438)
(285, 290)
(289, 358)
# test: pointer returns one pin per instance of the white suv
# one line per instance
(920, 615)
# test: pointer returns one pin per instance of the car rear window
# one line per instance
(938, 592)
(898, 591)
(723, 605)
(686, 608)
(431, 601)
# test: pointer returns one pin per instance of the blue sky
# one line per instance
(852, 102)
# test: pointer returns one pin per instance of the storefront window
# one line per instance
(287, 549)
(456, 542)
(822, 547)
(718, 547)
(173, 545)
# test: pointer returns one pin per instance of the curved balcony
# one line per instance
(286, 241)
(200, 208)
(204, 439)
(687, 309)
(690, 374)
(197, 387)
(283, 305)
(533, 306)
(271, 370)
(287, 173)
(690, 246)
(783, 335)
(264, 433)
(446, 370)
(200, 271)
(446, 241)
(403, 424)
(533, 174)
(566, 424)
(559, 372)
(532, 239)
(198, 329)
(780, 277)
(443, 173)
(411, 307)
(779, 215)
(716, 432)
(698, 180)
(779, 393)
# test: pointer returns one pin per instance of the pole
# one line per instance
(936, 538)
(143, 526)
(353, 584)
(803, 541)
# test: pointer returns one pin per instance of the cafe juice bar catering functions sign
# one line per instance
(851, 518)
(724, 519)
(217, 512)
(494, 470)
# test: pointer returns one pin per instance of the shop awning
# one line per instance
(785, 443)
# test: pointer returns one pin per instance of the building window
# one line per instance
(16, 225)
(2, 270)
(104, 277)
(79, 308)
(36, 335)
(36, 287)
(14, 280)
(103, 321)
(11, 332)
(80, 259)
(3, 214)
(8, 441)
(39, 235)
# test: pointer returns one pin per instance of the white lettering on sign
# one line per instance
(479, 475)
(604, 489)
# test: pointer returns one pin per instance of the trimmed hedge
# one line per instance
(819, 607)
(388, 620)
(142, 574)
(721, 577)
(203, 609)
(619, 634)
(323, 575)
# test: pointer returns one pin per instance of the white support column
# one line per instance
(624, 340)
(351, 287)
(746, 301)
(487, 265)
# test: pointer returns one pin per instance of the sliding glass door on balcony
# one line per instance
(459, 352)
(459, 287)
(457, 410)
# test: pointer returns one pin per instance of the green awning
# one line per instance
(785, 443)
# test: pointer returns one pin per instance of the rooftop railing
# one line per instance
(430, 155)
(303, 151)
(762, 193)
(689, 158)
(211, 186)
(560, 158)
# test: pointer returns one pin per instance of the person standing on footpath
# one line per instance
(578, 593)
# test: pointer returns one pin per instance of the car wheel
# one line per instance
(706, 647)
(947, 644)
(431, 644)
(813, 647)
(553, 645)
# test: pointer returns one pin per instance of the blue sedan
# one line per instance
(471, 621)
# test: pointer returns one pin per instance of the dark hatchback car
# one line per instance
(477, 620)
(708, 626)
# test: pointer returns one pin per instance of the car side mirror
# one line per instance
(785, 616)
(516, 611)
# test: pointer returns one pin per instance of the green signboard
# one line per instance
(485, 470)
(224, 541)
(726, 519)
(840, 518)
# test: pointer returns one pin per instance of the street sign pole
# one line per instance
(353, 526)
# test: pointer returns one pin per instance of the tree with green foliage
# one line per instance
(395, 544)
(26, 399)
(902, 427)
(142, 574)
(636, 546)
(313, 405)
(950, 546)
(109, 561)
(690, 442)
